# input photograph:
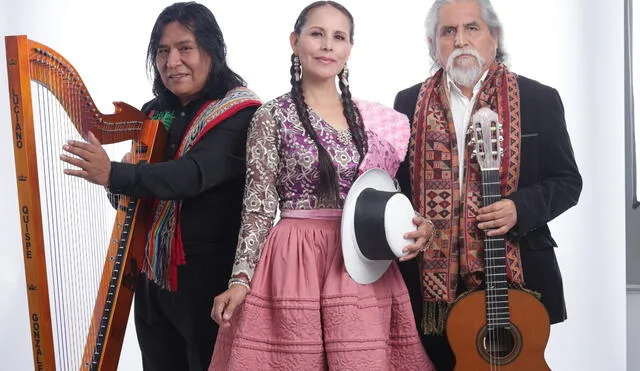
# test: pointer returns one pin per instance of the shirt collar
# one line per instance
(453, 88)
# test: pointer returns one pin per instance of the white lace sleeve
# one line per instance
(261, 197)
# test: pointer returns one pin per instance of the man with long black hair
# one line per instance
(197, 192)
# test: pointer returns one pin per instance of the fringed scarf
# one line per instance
(164, 251)
(457, 249)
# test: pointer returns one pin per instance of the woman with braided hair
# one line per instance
(291, 305)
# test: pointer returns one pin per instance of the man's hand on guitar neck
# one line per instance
(498, 217)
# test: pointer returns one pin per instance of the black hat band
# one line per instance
(368, 223)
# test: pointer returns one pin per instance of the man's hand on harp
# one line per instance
(91, 159)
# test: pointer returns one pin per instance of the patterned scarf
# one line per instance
(164, 251)
(457, 248)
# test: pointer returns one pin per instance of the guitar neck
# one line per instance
(497, 299)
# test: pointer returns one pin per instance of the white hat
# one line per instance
(374, 219)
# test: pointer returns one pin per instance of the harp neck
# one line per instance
(52, 71)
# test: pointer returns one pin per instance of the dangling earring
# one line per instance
(297, 71)
(344, 76)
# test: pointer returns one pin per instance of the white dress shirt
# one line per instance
(461, 108)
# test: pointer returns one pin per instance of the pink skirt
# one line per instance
(304, 312)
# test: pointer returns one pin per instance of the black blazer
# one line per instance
(549, 184)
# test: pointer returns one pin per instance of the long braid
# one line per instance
(328, 178)
(351, 113)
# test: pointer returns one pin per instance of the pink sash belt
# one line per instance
(326, 214)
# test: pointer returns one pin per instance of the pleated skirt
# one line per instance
(304, 312)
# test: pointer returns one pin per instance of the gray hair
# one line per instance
(489, 16)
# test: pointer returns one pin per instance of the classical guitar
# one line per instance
(497, 328)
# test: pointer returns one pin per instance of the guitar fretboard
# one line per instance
(497, 299)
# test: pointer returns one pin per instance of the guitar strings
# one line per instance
(491, 277)
(496, 288)
(489, 274)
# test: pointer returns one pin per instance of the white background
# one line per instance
(575, 46)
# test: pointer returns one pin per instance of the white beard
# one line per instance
(465, 72)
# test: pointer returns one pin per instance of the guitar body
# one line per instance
(520, 348)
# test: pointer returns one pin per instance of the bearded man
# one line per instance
(539, 175)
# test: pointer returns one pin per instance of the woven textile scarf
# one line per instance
(457, 248)
(164, 251)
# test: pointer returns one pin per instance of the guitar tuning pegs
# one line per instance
(501, 139)
(501, 151)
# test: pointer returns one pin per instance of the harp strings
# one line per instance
(77, 218)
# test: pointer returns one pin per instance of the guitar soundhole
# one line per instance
(499, 346)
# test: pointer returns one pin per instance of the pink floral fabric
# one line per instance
(387, 134)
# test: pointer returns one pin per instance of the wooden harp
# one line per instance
(79, 292)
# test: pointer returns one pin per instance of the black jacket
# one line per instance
(209, 179)
(549, 184)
